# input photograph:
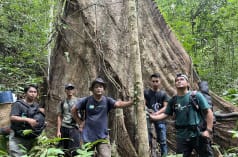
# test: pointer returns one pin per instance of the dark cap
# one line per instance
(97, 81)
(157, 75)
(69, 86)
(181, 75)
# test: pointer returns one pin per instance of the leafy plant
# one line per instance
(46, 147)
(231, 95)
(86, 149)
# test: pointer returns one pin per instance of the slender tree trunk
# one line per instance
(143, 143)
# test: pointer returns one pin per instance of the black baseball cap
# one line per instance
(69, 86)
(98, 81)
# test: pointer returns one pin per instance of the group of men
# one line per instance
(86, 119)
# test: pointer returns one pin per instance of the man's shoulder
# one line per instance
(147, 91)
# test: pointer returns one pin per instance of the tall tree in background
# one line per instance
(94, 39)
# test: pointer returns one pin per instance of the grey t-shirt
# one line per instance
(67, 119)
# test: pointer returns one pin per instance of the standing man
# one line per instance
(66, 125)
(96, 109)
(187, 119)
(157, 101)
(20, 118)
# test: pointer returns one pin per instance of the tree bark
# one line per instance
(94, 40)
(141, 127)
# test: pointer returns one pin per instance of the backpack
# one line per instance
(34, 113)
(204, 90)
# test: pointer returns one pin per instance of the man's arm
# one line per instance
(59, 122)
(42, 109)
(74, 112)
(121, 104)
(209, 120)
(31, 121)
(162, 110)
(158, 116)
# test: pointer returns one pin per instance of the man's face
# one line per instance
(98, 89)
(181, 82)
(31, 94)
(155, 82)
(69, 91)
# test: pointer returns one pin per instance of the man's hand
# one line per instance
(32, 122)
(58, 134)
(207, 134)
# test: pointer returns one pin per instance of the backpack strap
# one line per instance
(27, 106)
(173, 100)
(193, 100)
(20, 102)
(62, 107)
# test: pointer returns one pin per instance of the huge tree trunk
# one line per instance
(93, 39)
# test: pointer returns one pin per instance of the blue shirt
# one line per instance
(96, 117)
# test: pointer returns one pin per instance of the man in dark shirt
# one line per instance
(96, 109)
(19, 119)
(157, 100)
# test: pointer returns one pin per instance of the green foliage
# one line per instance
(231, 95)
(3, 146)
(45, 147)
(208, 31)
(24, 31)
(86, 149)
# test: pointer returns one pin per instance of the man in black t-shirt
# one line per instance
(19, 117)
(157, 101)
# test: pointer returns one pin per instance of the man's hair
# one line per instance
(181, 75)
(156, 75)
(29, 86)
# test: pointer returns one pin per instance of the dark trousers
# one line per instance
(201, 144)
(73, 141)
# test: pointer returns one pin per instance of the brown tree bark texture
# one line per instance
(93, 40)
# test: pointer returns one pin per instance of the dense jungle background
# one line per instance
(51, 43)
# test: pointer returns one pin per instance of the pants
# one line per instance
(160, 129)
(200, 144)
(14, 149)
(73, 141)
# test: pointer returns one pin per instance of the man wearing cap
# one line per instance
(157, 100)
(66, 125)
(188, 136)
(96, 109)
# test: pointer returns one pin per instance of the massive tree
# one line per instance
(94, 40)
